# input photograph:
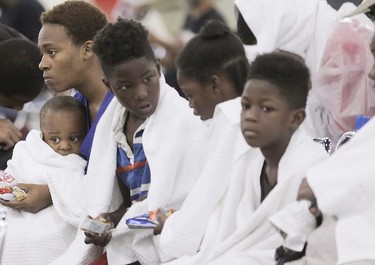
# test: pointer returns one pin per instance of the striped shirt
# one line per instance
(132, 167)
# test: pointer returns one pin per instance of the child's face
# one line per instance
(62, 61)
(63, 132)
(136, 86)
(266, 118)
(199, 95)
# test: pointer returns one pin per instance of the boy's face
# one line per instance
(199, 95)
(62, 61)
(63, 131)
(266, 118)
(136, 86)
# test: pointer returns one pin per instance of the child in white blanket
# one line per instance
(341, 188)
(213, 82)
(148, 143)
(50, 156)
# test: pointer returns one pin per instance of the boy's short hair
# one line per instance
(81, 20)
(287, 72)
(215, 50)
(63, 104)
(121, 42)
(19, 68)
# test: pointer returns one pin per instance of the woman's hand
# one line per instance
(38, 198)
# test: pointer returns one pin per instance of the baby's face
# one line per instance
(63, 132)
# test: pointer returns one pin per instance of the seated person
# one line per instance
(273, 105)
(341, 191)
(48, 156)
(213, 82)
(18, 55)
(148, 141)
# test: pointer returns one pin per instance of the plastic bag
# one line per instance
(341, 89)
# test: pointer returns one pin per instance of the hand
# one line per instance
(306, 193)
(38, 198)
(96, 238)
(162, 217)
(9, 134)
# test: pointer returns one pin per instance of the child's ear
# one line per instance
(215, 83)
(298, 116)
(158, 65)
(107, 84)
(87, 49)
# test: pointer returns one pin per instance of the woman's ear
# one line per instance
(87, 49)
(107, 84)
(298, 116)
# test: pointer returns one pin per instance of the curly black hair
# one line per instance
(20, 74)
(287, 72)
(81, 20)
(215, 50)
(121, 42)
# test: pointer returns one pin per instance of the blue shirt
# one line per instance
(87, 142)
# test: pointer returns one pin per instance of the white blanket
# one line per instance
(174, 145)
(184, 230)
(42, 237)
(297, 26)
(344, 187)
(238, 231)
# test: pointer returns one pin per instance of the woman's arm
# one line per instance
(38, 198)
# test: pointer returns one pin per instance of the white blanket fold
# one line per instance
(238, 231)
(297, 26)
(344, 187)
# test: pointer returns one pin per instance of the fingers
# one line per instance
(98, 239)
(9, 134)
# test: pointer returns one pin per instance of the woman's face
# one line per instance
(62, 61)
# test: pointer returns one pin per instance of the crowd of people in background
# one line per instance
(246, 137)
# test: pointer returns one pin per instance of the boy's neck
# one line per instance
(273, 154)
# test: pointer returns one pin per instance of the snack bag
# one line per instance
(8, 189)
(94, 225)
(147, 220)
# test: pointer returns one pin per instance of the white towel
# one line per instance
(344, 187)
(296, 221)
(238, 231)
(184, 229)
(42, 237)
(297, 26)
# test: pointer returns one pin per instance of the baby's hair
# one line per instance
(216, 50)
(122, 42)
(63, 104)
(20, 74)
(80, 19)
(287, 72)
